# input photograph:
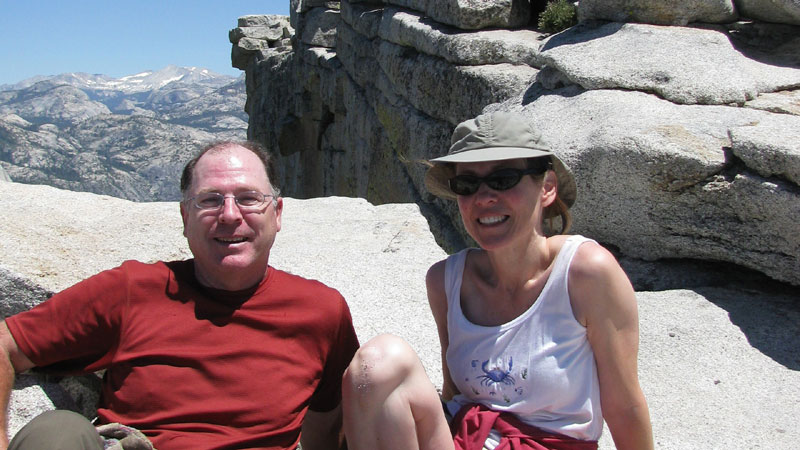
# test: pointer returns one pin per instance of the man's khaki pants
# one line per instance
(57, 430)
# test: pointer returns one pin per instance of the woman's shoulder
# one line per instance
(437, 295)
(435, 273)
(557, 243)
(596, 281)
(437, 270)
(592, 261)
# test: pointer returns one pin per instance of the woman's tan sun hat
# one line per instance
(495, 137)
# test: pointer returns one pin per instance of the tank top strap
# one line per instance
(453, 275)
(563, 261)
(557, 281)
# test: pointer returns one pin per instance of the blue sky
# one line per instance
(119, 37)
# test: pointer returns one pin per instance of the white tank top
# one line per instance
(539, 366)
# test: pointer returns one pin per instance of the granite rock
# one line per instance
(660, 12)
(681, 136)
(709, 356)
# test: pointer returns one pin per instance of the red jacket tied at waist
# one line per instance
(472, 424)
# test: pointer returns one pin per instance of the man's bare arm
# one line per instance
(12, 361)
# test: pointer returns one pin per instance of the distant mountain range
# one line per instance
(128, 137)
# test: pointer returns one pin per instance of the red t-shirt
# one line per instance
(192, 367)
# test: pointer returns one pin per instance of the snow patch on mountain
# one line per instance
(127, 137)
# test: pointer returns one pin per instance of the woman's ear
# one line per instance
(549, 188)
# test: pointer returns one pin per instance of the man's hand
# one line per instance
(323, 430)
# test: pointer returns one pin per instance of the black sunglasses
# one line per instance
(499, 180)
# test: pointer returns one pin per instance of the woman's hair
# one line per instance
(556, 209)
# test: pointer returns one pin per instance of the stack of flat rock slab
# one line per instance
(681, 120)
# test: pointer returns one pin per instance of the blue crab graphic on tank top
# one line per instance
(538, 366)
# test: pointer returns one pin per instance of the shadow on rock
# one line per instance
(769, 319)
(768, 43)
(583, 32)
(767, 311)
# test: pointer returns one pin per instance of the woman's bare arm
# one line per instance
(604, 301)
(434, 281)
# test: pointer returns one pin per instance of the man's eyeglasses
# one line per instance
(499, 180)
(246, 201)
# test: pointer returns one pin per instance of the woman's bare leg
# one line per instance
(388, 401)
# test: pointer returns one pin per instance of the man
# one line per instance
(221, 351)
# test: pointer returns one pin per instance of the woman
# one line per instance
(536, 331)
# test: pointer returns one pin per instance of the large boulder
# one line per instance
(779, 11)
(709, 356)
(757, 146)
(681, 64)
(681, 135)
(661, 180)
(682, 12)
(661, 12)
(468, 14)
(257, 33)
(456, 46)
(318, 27)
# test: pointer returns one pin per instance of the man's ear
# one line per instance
(183, 217)
(278, 213)
(549, 188)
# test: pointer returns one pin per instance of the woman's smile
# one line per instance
(492, 220)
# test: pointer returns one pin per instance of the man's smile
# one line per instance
(231, 240)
